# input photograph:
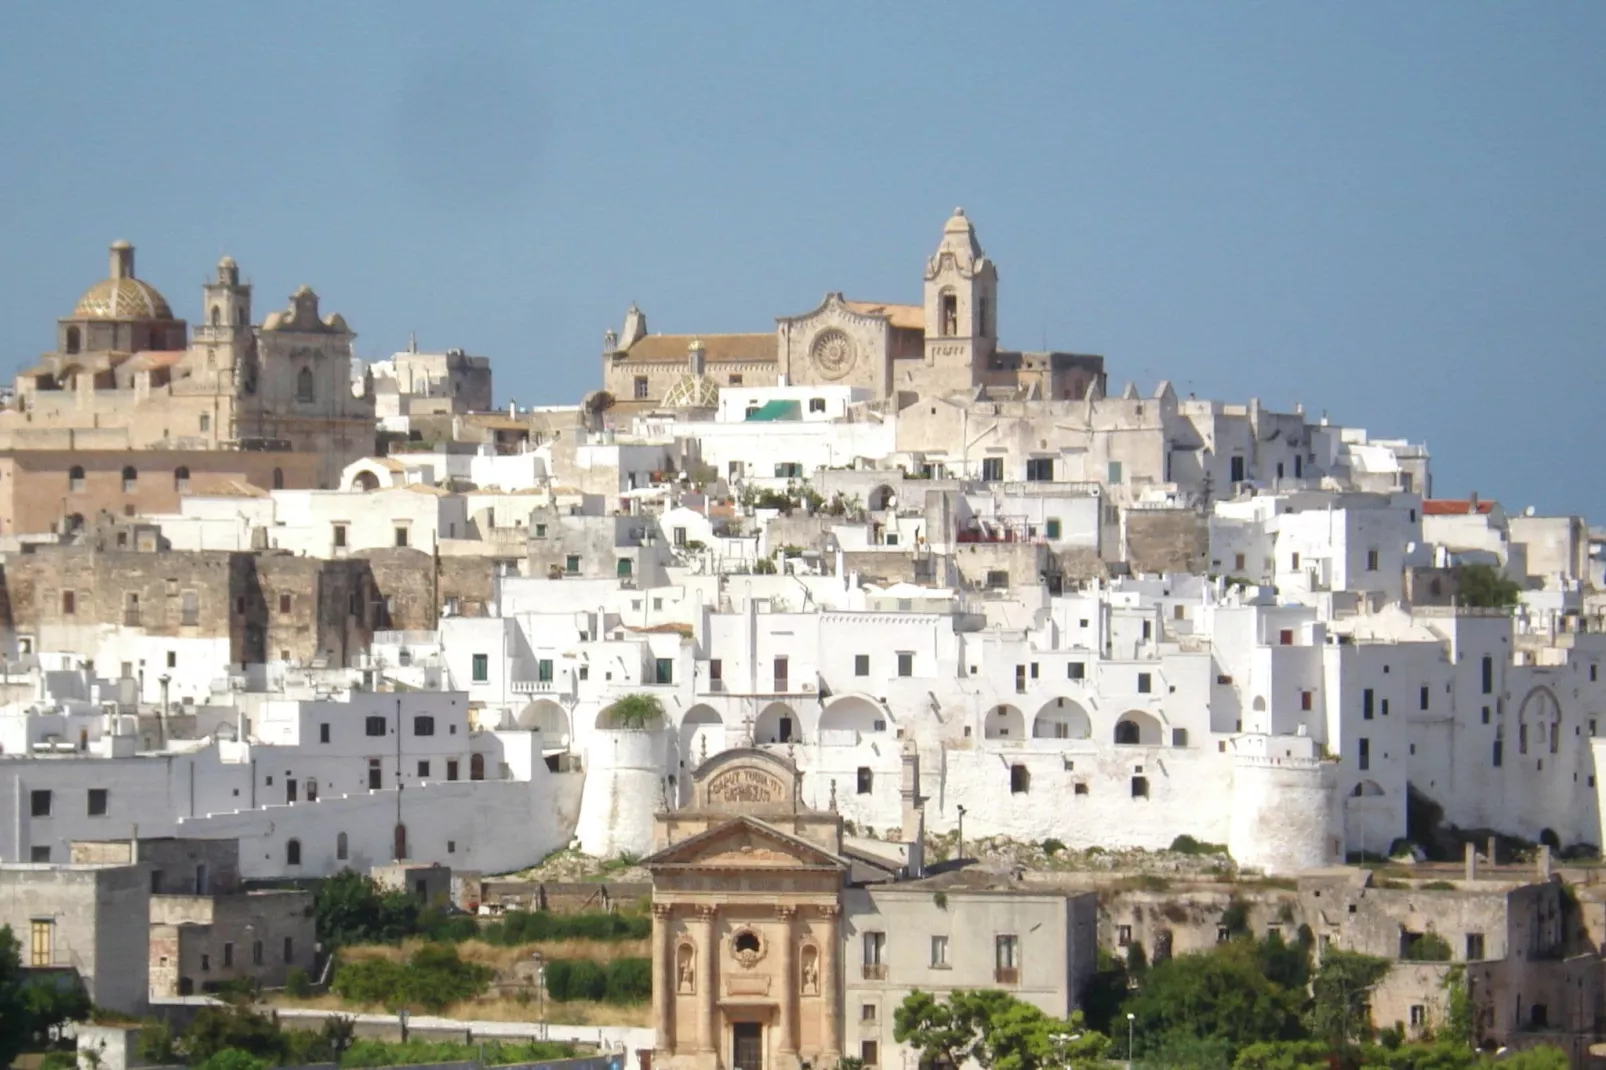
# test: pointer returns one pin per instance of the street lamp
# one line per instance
(1131, 1023)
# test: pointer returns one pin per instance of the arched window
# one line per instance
(304, 386)
(342, 847)
(948, 312)
(75, 478)
(74, 340)
(1126, 732)
(292, 853)
(278, 479)
(130, 479)
(217, 316)
(476, 767)
(181, 479)
(239, 317)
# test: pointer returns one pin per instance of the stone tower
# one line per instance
(226, 333)
(961, 307)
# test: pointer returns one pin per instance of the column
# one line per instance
(830, 985)
(665, 979)
(786, 1014)
(707, 1043)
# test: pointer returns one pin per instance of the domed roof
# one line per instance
(693, 392)
(122, 299)
(121, 296)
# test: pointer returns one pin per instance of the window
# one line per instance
(285, 602)
(292, 852)
(289, 949)
(1488, 675)
(1179, 737)
(861, 665)
(939, 952)
(181, 479)
(1474, 947)
(38, 854)
(376, 778)
(189, 609)
(867, 1012)
(482, 668)
(866, 780)
(1123, 936)
(39, 802)
(1051, 529)
(1366, 704)
(401, 535)
(423, 726)
(1293, 562)
(305, 388)
(206, 421)
(540, 531)
(869, 1053)
(1238, 561)
(906, 663)
(997, 579)
(571, 564)
(451, 769)
(1424, 697)
(992, 469)
(256, 952)
(1145, 683)
(1076, 670)
(476, 767)
(130, 479)
(543, 671)
(42, 942)
(1285, 637)
(342, 846)
(1140, 787)
(641, 388)
(1371, 560)
(340, 536)
(873, 945)
(1040, 469)
(423, 769)
(1115, 472)
(1365, 755)
(736, 380)
(98, 798)
(323, 732)
(228, 950)
(69, 603)
(816, 404)
(1235, 467)
(1020, 780)
(948, 314)
(1499, 749)
(375, 726)
(663, 671)
(75, 479)
(1006, 958)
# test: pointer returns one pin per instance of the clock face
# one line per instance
(833, 354)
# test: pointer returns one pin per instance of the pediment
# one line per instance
(744, 843)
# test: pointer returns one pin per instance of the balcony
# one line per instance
(875, 971)
(540, 687)
(1006, 975)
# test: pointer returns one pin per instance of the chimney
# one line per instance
(1472, 503)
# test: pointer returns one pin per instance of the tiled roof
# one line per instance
(1453, 507)
(672, 348)
(908, 317)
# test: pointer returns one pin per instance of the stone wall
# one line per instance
(1166, 540)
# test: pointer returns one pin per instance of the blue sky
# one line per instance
(1389, 212)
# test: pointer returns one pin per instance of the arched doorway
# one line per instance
(702, 735)
(1136, 728)
(851, 713)
(1062, 718)
(1004, 722)
(550, 719)
(777, 723)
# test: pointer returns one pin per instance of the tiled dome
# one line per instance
(122, 299)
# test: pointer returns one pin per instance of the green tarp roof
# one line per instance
(776, 410)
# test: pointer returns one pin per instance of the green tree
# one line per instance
(1429, 947)
(15, 1021)
(1457, 1028)
(1341, 1005)
(233, 1027)
(637, 711)
(1222, 995)
(51, 1003)
(996, 1030)
(1485, 586)
(352, 909)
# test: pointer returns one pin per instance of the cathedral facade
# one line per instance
(135, 407)
(946, 345)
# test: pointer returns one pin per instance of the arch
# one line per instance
(74, 340)
(947, 312)
(1548, 838)
(217, 315)
(306, 389)
(854, 713)
(292, 852)
(1259, 704)
(702, 734)
(882, 497)
(278, 479)
(342, 847)
(778, 723)
(476, 766)
(1137, 729)
(181, 478)
(1004, 722)
(1062, 718)
(1540, 707)
(1367, 789)
(366, 482)
(547, 717)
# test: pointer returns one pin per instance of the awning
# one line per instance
(776, 410)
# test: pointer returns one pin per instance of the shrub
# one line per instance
(297, 984)
(1187, 845)
(622, 981)
(629, 981)
(1429, 947)
(1052, 847)
(433, 978)
(524, 927)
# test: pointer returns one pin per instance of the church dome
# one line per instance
(121, 296)
(693, 392)
(122, 299)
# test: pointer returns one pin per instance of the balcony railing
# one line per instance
(875, 971)
(1006, 975)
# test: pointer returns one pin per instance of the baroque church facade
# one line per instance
(135, 407)
(944, 346)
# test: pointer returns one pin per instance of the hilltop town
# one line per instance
(866, 655)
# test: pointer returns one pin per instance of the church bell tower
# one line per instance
(961, 305)
(226, 333)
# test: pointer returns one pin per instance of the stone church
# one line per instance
(135, 407)
(948, 344)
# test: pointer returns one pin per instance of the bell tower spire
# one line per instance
(961, 304)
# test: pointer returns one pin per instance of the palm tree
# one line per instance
(636, 711)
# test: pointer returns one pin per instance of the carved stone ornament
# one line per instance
(833, 354)
(747, 947)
